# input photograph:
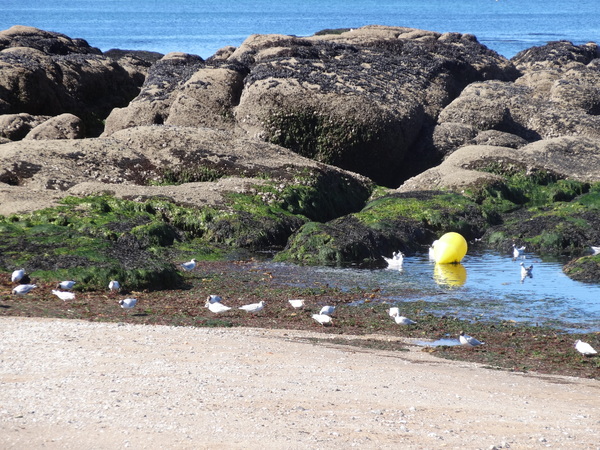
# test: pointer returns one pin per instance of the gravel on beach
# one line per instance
(71, 384)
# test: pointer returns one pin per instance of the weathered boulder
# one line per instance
(358, 99)
(63, 126)
(46, 73)
(470, 167)
(14, 127)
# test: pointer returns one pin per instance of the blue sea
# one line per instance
(202, 27)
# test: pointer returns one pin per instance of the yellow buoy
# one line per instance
(450, 248)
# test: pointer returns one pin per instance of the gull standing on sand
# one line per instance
(469, 341)
(190, 265)
(128, 303)
(327, 310)
(584, 348)
(66, 285)
(216, 307)
(401, 320)
(254, 307)
(17, 275)
(64, 295)
(23, 289)
(297, 303)
(323, 319)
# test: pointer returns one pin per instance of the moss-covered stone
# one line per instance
(586, 268)
(405, 222)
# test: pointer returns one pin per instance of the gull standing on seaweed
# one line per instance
(469, 341)
(17, 275)
(23, 289)
(216, 307)
(64, 295)
(297, 303)
(66, 285)
(327, 310)
(323, 319)
(190, 265)
(394, 312)
(584, 348)
(128, 303)
(254, 307)
(114, 286)
(401, 320)
(214, 298)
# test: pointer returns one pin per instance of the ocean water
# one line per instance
(203, 26)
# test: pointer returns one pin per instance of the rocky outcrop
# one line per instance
(45, 73)
(63, 126)
(358, 99)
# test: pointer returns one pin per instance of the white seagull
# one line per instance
(432, 250)
(214, 298)
(323, 319)
(327, 310)
(526, 271)
(517, 251)
(187, 266)
(584, 348)
(216, 307)
(128, 303)
(401, 320)
(64, 295)
(595, 250)
(395, 261)
(253, 307)
(465, 339)
(114, 286)
(66, 285)
(23, 289)
(394, 312)
(17, 275)
(297, 303)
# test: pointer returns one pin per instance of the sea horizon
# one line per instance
(201, 28)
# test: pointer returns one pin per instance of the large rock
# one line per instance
(45, 73)
(357, 99)
(197, 167)
(471, 167)
(63, 126)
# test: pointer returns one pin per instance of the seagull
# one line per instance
(396, 260)
(64, 295)
(254, 307)
(526, 271)
(323, 319)
(114, 286)
(66, 284)
(23, 289)
(327, 310)
(467, 340)
(297, 303)
(401, 320)
(214, 298)
(394, 312)
(187, 266)
(17, 275)
(584, 348)
(517, 251)
(216, 307)
(595, 250)
(128, 303)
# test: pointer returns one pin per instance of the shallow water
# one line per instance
(486, 286)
